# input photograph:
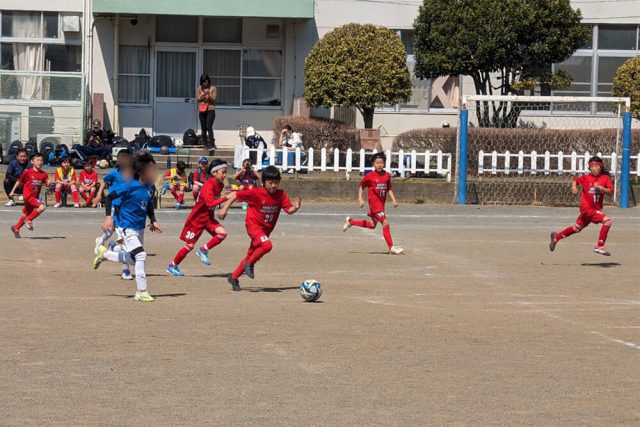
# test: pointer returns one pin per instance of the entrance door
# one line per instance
(175, 106)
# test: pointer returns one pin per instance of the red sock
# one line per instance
(175, 194)
(604, 231)
(182, 253)
(89, 198)
(33, 215)
(195, 195)
(215, 241)
(84, 196)
(76, 199)
(181, 198)
(260, 251)
(361, 223)
(18, 225)
(386, 232)
(239, 269)
(566, 233)
(58, 195)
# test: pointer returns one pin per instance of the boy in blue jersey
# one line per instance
(132, 203)
(121, 173)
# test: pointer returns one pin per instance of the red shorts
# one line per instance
(378, 216)
(192, 232)
(588, 217)
(30, 205)
(258, 235)
(65, 187)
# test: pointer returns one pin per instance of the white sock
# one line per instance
(121, 257)
(105, 236)
(141, 276)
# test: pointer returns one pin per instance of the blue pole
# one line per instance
(625, 170)
(462, 158)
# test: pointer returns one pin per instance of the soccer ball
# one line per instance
(310, 290)
(178, 143)
(103, 164)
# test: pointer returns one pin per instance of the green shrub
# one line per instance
(626, 82)
(319, 133)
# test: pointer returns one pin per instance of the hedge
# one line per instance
(319, 133)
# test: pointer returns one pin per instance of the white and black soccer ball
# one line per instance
(103, 164)
(178, 143)
(310, 290)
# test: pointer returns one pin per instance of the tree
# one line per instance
(360, 66)
(505, 46)
(626, 82)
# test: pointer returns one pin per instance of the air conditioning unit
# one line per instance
(70, 23)
(55, 139)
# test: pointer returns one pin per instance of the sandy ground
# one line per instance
(477, 324)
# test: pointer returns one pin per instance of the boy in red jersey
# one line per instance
(264, 208)
(66, 181)
(378, 185)
(594, 186)
(32, 181)
(200, 176)
(202, 218)
(88, 184)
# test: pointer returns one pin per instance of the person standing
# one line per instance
(206, 97)
(14, 171)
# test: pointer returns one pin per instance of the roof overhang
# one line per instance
(300, 9)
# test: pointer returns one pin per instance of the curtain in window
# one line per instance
(27, 56)
(265, 66)
(134, 75)
(175, 75)
(223, 67)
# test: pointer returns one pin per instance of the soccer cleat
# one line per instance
(601, 250)
(76, 205)
(16, 232)
(245, 205)
(99, 257)
(396, 250)
(143, 296)
(99, 243)
(248, 270)
(126, 275)
(347, 223)
(57, 205)
(28, 224)
(553, 242)
(204, 256)
(235, 283)
(174, 270)
(178, 206)
(10, 203)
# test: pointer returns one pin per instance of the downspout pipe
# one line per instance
(116, 81)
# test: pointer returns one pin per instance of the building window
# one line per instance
(177, 29)
(134, 75)
(245, 77)
(175, 74)
(222, 30)
(617, 37)
(579, 68)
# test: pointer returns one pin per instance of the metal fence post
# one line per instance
(462, 157)
(625, 170)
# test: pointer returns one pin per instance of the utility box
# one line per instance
(370, 139)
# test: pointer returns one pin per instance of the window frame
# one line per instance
(150, 76)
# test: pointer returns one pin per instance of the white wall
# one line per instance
(43, 5)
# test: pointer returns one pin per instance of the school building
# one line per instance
(136, 63)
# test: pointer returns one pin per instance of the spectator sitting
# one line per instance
(289, 141)
(254, 141)
(14, 171)
(178, 182)
(97, 142)
(88, 184)
(247, 176)
(200, 175)
(66, 181)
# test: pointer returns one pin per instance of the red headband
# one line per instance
(596, 162)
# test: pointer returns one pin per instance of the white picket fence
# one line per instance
(547, 163)
(408, 162)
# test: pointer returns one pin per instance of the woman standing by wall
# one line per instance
(206, 97)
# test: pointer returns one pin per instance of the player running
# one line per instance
(202, 218)
(594, 186)
(32, 180)
(132, 203)
(263, 211)
(378, 185)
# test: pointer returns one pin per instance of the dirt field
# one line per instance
(477, 324)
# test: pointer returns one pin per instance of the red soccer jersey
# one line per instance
(264, 208)
(88, 179)
(69, 176)
(377, 185)
(32, 181)
(592, 198)
(208, 199)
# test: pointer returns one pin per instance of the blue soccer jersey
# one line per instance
(132, 204)
(113, 178)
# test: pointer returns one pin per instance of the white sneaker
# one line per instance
(126, 275)
(57, 205)
(99, 243)
(10, 203)
(143, 296)
(396, 250)
(76, 205)
(347, 223)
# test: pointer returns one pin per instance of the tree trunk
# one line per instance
(367, 115)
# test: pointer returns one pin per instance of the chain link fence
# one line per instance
(527, 152)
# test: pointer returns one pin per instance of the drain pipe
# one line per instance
(116, 69)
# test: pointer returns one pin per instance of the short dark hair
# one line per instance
(37, 155)
(22, 150)
(204, 78)
(271, 173)
(140, 161)
(215, 163)
(180, 165)
(124, 151)
(376, 156)
(64, 159)
(287, 127)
